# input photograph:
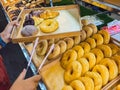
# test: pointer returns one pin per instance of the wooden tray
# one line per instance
(114, 2)
(69, 24)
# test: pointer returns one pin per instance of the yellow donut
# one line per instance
(67, 87)
(85, 65)
(88, 31)
(77, 85)
(88, 83)
(82, 35)
(92, 42)
(79, 50)
(63, 46)
(118, 87)
(42, 47)
(105, 35)
(116, 58)
(98, 54)
(69, 42)
(73, 71)
(68, 56)
(49, 25)
(55, 53)
(96, 78)
(77, 40)
(91, 59)
(85, 46)
(103, 71)
(112, 67)
(98, 38)
(114, 48)
(93, 27)
(106, 50)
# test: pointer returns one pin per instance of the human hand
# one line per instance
(5, 35)
(25, 84)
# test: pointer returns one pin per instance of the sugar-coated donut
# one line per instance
(91, 59)
(55, 53)
(98, 54)
(116, 58)
(112, 67)
(94, 27)
(85, 46)
(88, 83)
(82, 35)
(77, 40)
(77, 85)
(105, 35)
(49, 25)
(69, 42)
(85, 65)
(98, 38)
(73, 71)
(96, 78)
(114, 48)
(84, 22)
(63, 46)
(79, 50)
(68, 56)
(106, 50)
(92, 42)
(67, 87)
(88, 31)
(42, 47)
(103, 71)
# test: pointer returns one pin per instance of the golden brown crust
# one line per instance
(69, 42)
(88, 31)
(82, 35)
(94, 27)
(92, 42)
(85, 46)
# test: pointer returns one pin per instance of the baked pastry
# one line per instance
(85, 46)
(84, 22)
(94, 27)
(88, 31)
(72, 71)
(82, 35)
(92, 42)
(118, 87)
(67, 87)
(29, 30)
(103, 71)
(69, 42)
(77, 40)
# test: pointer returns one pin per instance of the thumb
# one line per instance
(22, 75)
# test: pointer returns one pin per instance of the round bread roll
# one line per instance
(29, 30)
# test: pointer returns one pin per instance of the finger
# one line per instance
(36, 78)
(22, 75)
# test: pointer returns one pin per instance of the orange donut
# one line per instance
(92, 42)
(69, 42)
(82, 35)
(93, 27)
(68, 56)
(73, 71)
(85, 46)
(88, 31)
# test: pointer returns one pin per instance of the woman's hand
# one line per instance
(5, 35)
(25, 84)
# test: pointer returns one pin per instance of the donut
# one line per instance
(97, 79)
(49, 25)
(116, 58)
(77, 40)
(106, 50)
(77, 85)
(79, 50)
(56, 40)
(72, 72)
(88, 31)
(118, 87)
(63, 46)
(69, 42)
(103, 71)
(82, 35)
(48, 14)
(29, 30)
(51, 41)
(98, 38)
(55, 52)
(105, 35)
(114, 48)
(93, 27)
(92, 42)
(88, 83)
(68, 56)
(98, 54)
(91, 59)
(85, 46)
(85, 65)
(67, 87)
(84, 22)
(112, 67)
(42, 47)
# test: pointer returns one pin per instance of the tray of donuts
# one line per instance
(47, 22)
